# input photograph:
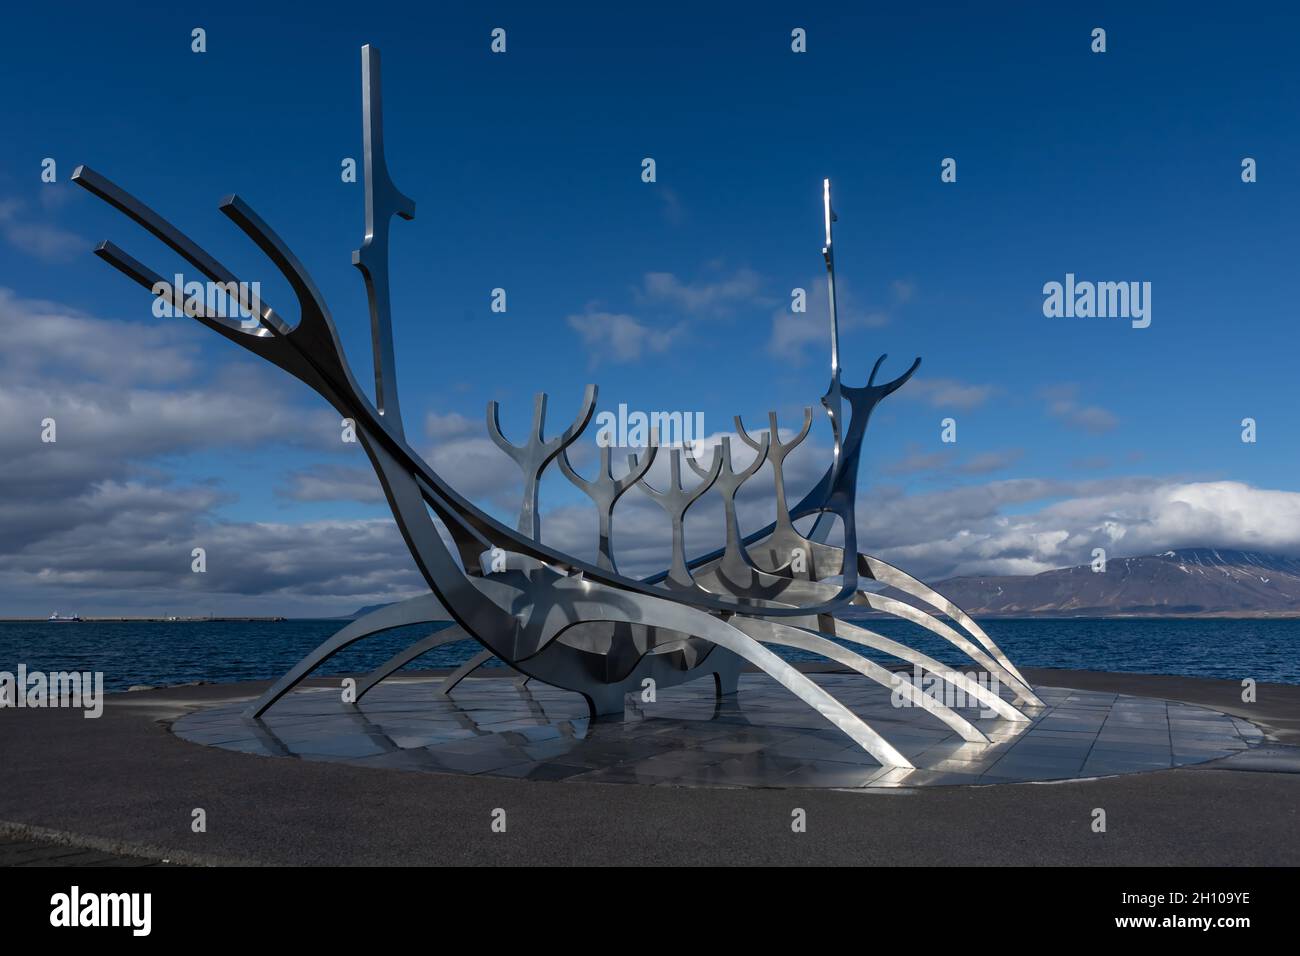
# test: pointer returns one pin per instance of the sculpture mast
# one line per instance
(383, 201)
(832, 399)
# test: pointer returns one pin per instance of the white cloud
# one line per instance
(946, 461)
(451, 425)
(617, 337)
(122, 394)
(96, 516)
(662, 300)
(990, 529)
(948, 393)
(1063, 404)
(794, 332)
(40, 239)
(333, 483)
(717, 296)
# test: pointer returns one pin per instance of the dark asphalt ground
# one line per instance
(123, 784)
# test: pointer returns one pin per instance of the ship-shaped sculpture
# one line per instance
(555, 617)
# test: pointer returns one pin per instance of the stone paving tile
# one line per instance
(21, 852)
(541, 771)
(828, 773)
(339, 746)
(1116, 763)
(1128, 746)
(546, 749)
(250, 747)
(762, 737)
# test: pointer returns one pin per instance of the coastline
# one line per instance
(1126, 616)
(1085, 615)
(180, 619)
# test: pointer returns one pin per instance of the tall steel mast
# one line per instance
(832, 399)
(383, 201)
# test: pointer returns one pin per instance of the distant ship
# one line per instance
(63, 618)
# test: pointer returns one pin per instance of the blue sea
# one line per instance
(157, 654)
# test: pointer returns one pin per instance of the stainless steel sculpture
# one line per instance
(551, 616)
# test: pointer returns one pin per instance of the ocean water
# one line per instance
(161, 653)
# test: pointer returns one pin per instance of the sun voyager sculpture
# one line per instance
(562, 620)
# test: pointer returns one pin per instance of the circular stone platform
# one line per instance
(761, 737)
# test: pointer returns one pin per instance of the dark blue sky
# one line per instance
(525, 168)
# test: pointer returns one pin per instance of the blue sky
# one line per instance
(525, 168)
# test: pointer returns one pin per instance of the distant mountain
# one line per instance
(1191, 581)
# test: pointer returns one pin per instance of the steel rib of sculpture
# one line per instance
(557, 618)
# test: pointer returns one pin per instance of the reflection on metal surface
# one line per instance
(689, 737)
(550, 615)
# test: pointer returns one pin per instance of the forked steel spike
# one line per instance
(777, 451)
(735, 561)
(534, 455)
(605, 490)
(676, 501)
